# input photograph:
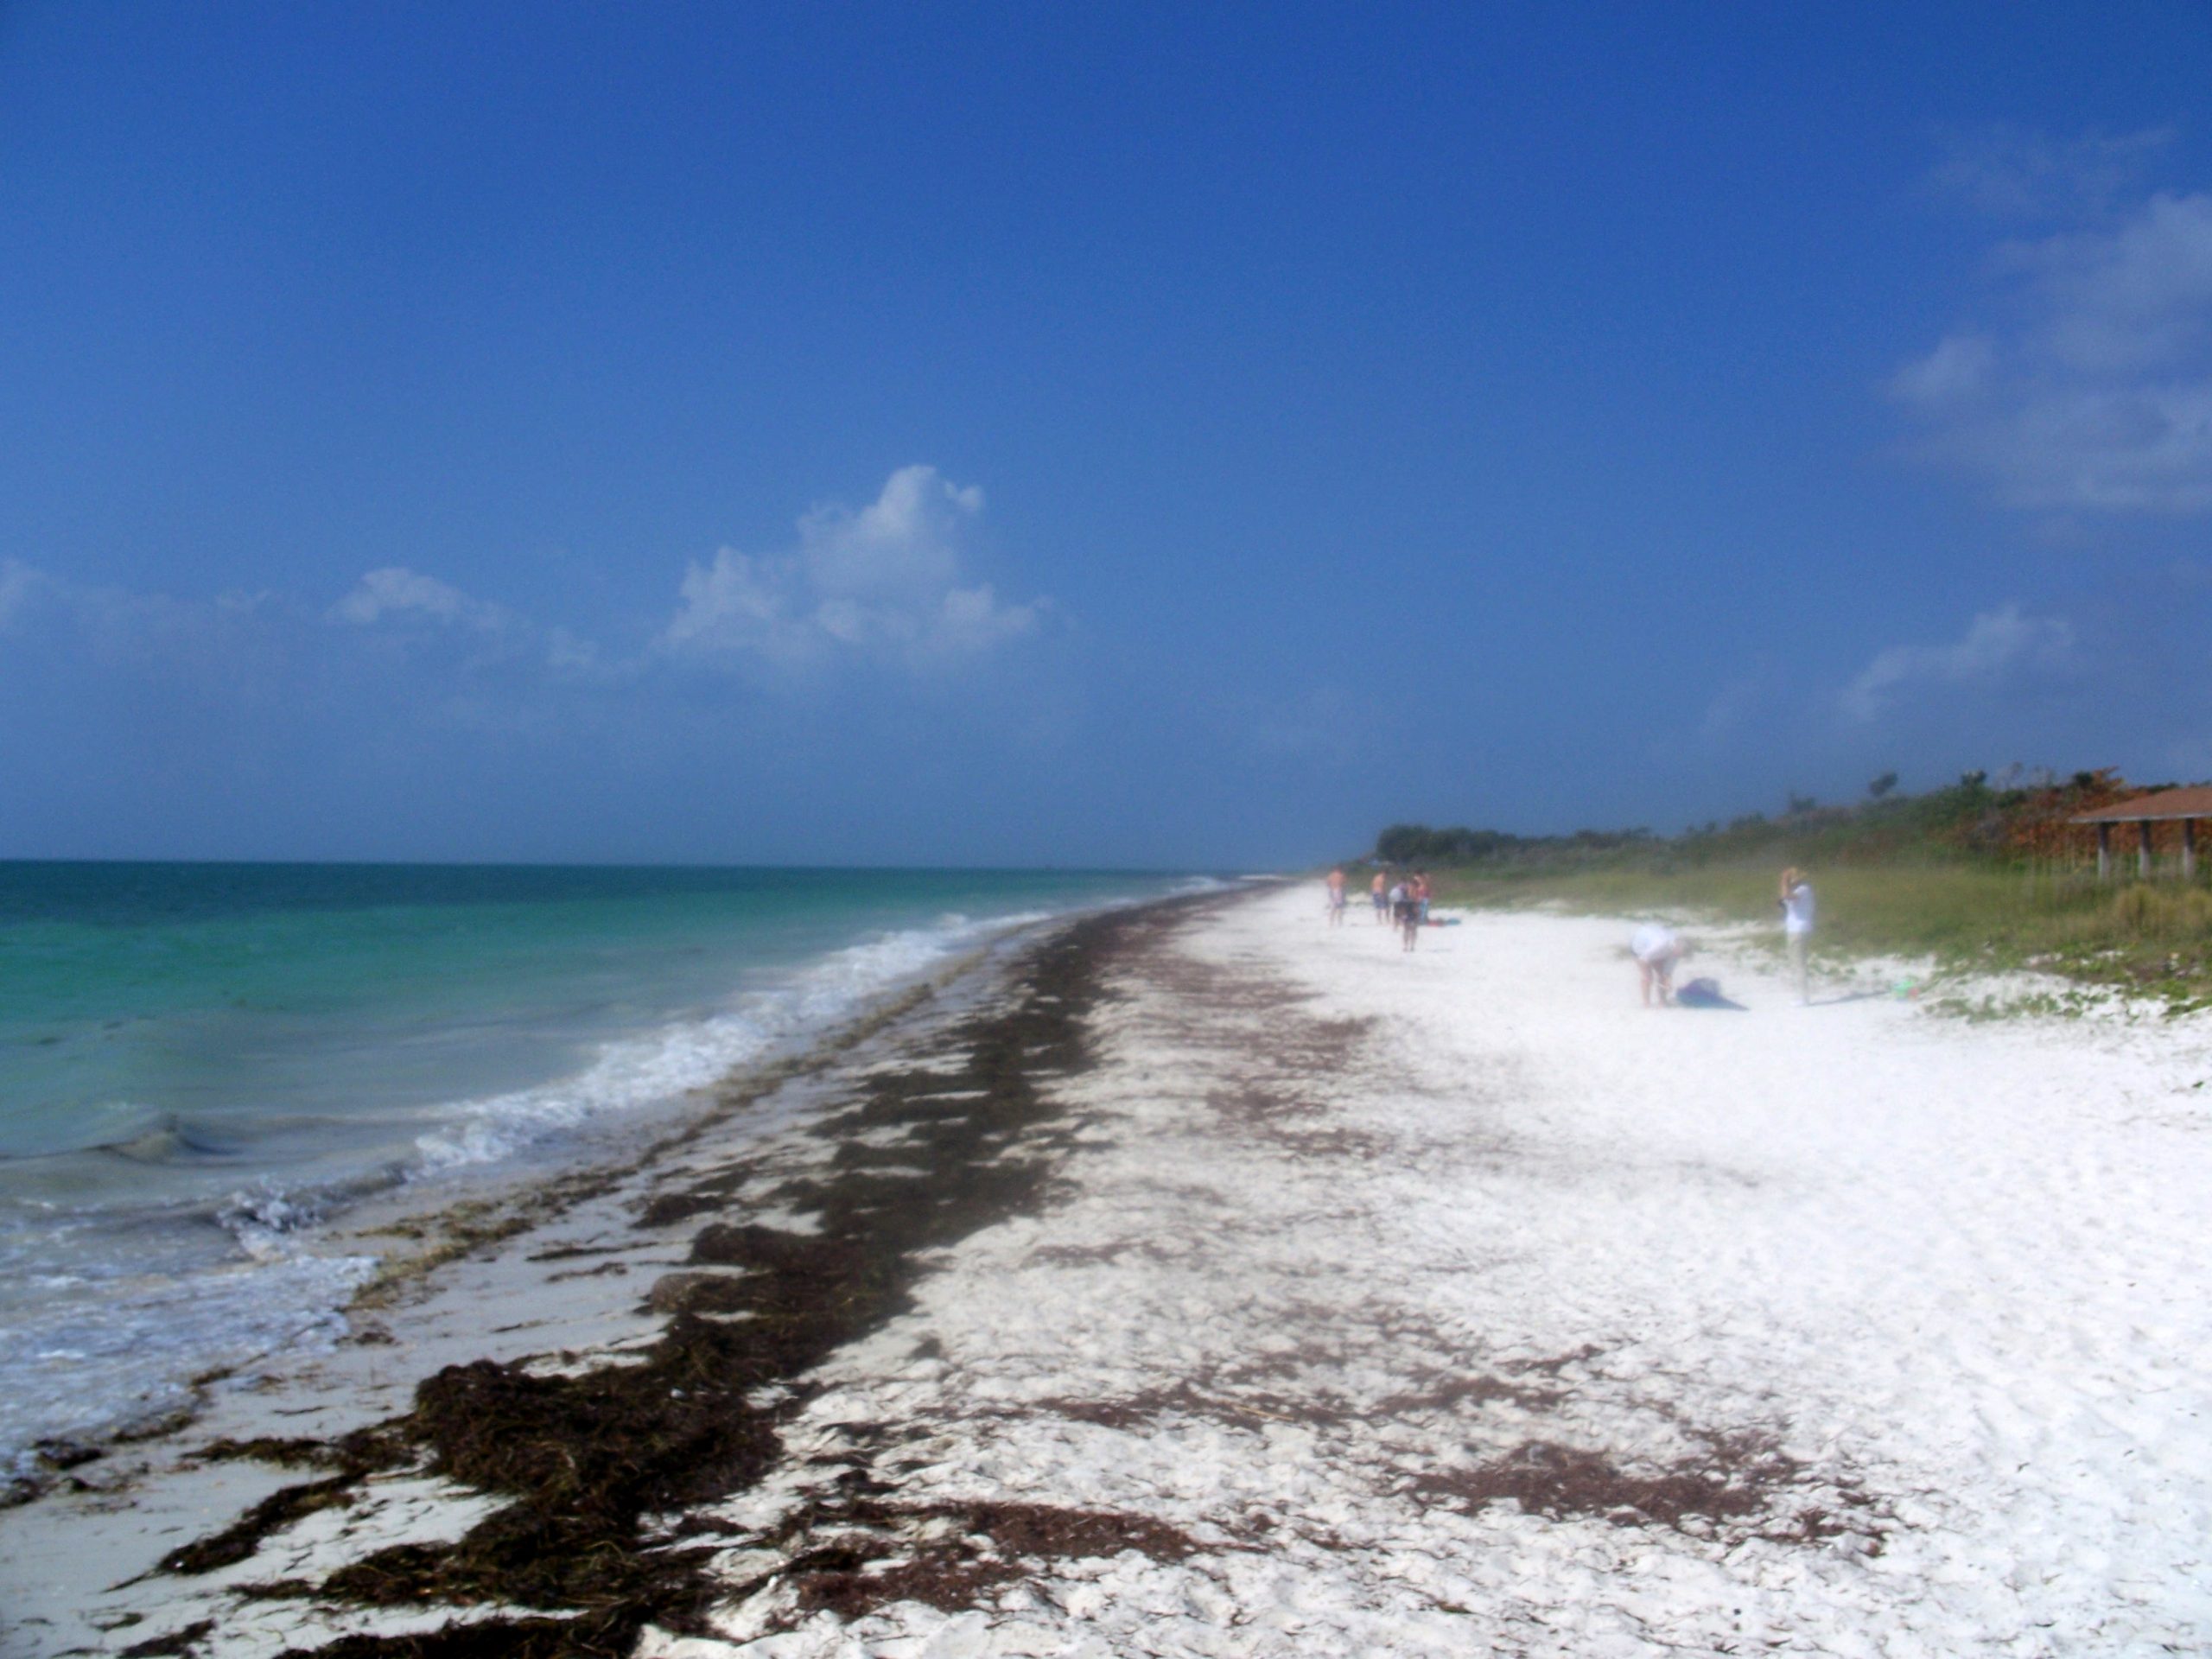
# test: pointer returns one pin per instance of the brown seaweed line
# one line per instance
(583, 1459)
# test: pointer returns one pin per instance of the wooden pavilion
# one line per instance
(2161, 806)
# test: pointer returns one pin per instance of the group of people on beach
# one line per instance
(1657, 948)
(1404, 902)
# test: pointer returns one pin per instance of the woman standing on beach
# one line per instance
(1797, 903)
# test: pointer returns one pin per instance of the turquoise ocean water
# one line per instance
(199, 1063)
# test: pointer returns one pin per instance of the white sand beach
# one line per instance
(1367, 1303)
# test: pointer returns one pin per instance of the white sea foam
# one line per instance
(114, 1344)
(79, 1370)
(266, 1218)
(664, 1064)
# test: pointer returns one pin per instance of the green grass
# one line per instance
(2154, 938)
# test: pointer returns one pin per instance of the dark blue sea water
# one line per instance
(199, 1063)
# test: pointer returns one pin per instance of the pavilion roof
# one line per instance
(2193, 801)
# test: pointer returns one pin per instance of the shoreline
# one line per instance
(389, 1058)
(1218, 1283)
(233, 1452)
(434, 1216)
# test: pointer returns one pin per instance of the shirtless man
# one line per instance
(1378, 894)
(1336, 898)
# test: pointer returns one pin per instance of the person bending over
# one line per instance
(1656, 950)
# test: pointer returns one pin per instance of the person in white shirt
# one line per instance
(1406, 912)
(1657, 950)
(1796, 902)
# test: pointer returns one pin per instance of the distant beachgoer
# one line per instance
(1656, 950)
(1420, 894)
(1336, 898)
(1378, 892)
(1407, 909)
(1797, 903)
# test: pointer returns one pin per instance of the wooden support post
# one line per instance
(2104, 852)
(2189, 849)
(2143, 850)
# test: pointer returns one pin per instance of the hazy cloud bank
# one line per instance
(2009, 172)
(397, 592)
(1999, 647)
(2092, 389)
(882, 584)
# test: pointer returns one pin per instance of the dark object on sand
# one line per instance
(1704, 994)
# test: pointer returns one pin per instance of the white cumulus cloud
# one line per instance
(1998, 646)
(884, 581)
(739, 603)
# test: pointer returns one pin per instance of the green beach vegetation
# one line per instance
(1981, 875)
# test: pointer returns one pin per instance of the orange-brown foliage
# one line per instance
(2034, 825)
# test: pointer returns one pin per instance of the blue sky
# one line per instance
(1162, 436)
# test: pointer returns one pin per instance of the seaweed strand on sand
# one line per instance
(598, 1467)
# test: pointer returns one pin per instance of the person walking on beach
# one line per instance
(1656, 950)
(1378, 892)
(1797, 903)
(1336, 898)
(1406, 908)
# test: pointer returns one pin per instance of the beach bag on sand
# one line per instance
(1704, 994)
